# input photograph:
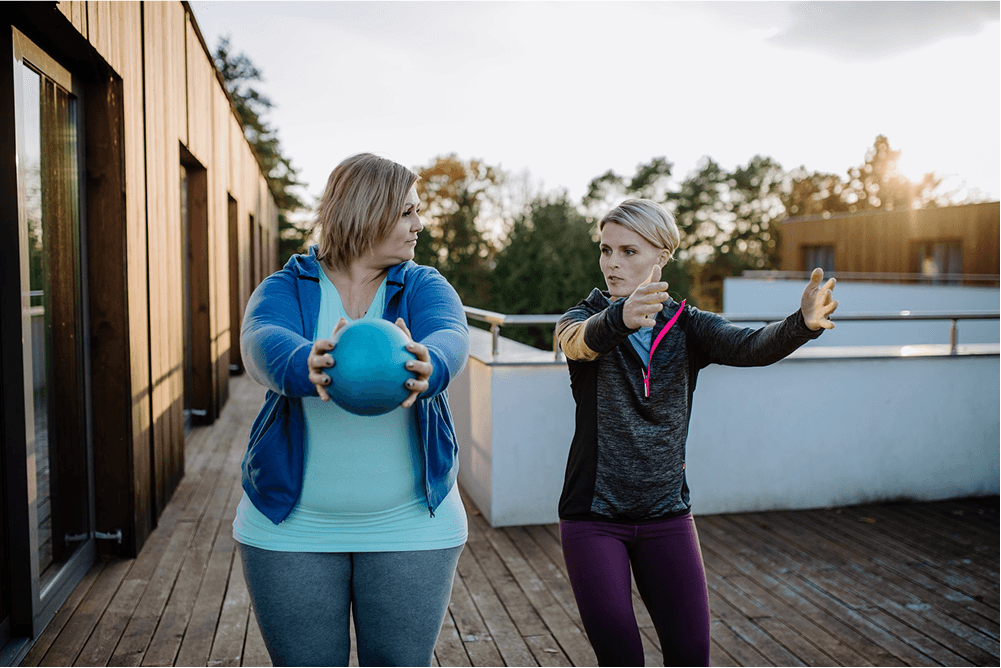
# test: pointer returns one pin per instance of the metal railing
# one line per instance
(879, 277)
(498, 320)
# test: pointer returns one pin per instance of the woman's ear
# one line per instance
(663, 258)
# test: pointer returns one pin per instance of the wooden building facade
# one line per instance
(937, 244)
(136, 223)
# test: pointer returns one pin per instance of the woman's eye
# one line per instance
(629, 252)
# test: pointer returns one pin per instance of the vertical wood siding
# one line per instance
(883, 241)
(130, 39)
(172, 97)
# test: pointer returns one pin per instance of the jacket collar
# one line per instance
(308, 266)
(600, 299)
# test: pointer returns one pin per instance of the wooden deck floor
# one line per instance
(888, 585)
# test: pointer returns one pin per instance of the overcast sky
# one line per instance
(569, 90)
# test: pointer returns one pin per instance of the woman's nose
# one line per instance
(418, 226)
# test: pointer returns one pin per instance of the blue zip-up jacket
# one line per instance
(276, 339)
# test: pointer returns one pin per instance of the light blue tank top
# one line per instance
(362, 488)
(642, 340)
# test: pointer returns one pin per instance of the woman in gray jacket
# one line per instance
(634, 355)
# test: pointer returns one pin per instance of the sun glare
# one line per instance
(911, 169)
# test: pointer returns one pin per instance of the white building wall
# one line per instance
(819, 429)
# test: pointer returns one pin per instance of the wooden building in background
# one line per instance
(938, 244)
(136, 224)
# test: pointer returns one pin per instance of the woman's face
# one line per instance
(626, 259)
(399, 244)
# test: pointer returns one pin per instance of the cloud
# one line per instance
(857, 31)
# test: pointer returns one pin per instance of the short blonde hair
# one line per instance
(364, 198)
(647, 219)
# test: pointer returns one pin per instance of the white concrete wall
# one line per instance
(814, 430)
(810, 433)
(512, 425)
(779, 296)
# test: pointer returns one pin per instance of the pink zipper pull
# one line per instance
(663, 332)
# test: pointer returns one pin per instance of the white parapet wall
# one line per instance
(514, 420)
(825, 427)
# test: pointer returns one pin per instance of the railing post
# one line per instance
(494, 339)
(953, 336)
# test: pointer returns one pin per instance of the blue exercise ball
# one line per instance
(368, 373)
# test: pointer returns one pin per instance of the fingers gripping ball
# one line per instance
(368, 375)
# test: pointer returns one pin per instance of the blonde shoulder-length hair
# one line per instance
(364, 198)
(647, 219)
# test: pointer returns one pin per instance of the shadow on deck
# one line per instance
(903, 584)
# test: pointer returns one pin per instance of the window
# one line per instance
(818, 256)
(939, 261)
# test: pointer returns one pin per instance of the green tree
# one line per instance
(876, 184)
(240, 74)
(722, 216)
(811, 193)
(453, 193)
(549, 263)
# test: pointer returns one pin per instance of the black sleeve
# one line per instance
(718, 341)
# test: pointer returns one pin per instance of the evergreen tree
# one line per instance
(239, 74)
(549, 263)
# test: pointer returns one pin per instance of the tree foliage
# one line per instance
(453, 193)
(549, 263)
(726, 217)
(876, 184)
(240, 74)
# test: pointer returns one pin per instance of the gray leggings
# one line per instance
(302, 602)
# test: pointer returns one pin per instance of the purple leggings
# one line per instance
(667, 564)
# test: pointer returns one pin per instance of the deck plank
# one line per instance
(501, 627)
(231, 632)
(567, 634)
(964, 644)
(473, 632)
(764, 573)
(889, 585)
(510, 594)
(255, 652)
(66, 625)
(196, 645)
(907, 570)
(449, 650)
(837, 596)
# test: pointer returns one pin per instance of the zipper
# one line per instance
(663, 332)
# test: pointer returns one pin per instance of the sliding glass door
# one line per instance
(58, 458)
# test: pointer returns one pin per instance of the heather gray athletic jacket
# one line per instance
(627, 458)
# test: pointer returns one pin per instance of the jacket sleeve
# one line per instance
(438, 321)
(585, 336)
(718, 341)
(272, 343)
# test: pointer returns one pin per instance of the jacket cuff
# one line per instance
(800, 328)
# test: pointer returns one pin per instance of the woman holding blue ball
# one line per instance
(350, 508)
